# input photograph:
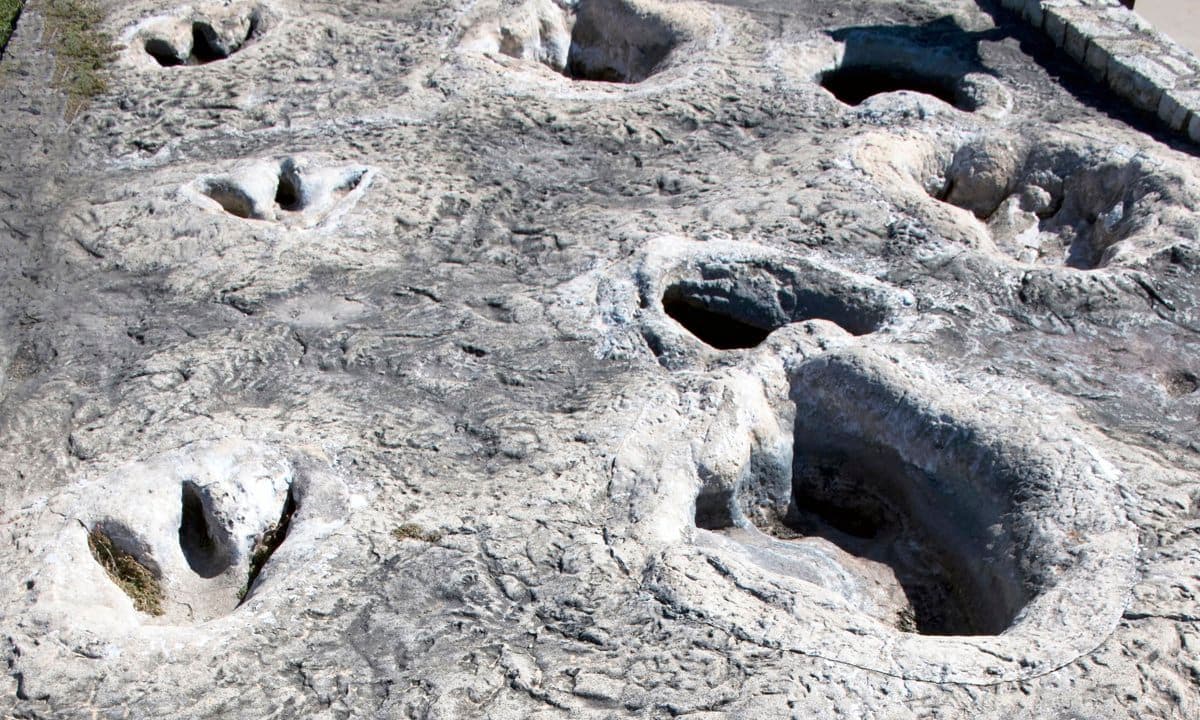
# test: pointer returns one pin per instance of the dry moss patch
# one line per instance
(413, 531)
(130, 575)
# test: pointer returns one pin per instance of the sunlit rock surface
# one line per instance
(618, 358)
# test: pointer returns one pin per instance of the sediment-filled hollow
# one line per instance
(129, 565)
(1060, 204)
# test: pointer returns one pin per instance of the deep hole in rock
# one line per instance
(862, 500)
(942, 537)
(163, 52)
(714, 510)
(857, 500)
(206, 45)
(205, 553)
(737, 305)
(289, 194)
(269, 542)
(719, 329)
(940, 551)
(613, 42)
(822, 499)
(853, 85)
(933, 59)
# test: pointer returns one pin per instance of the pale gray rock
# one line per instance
(609, 358)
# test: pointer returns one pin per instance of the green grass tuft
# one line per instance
(82, 51)
(130, 575)
(9, 10)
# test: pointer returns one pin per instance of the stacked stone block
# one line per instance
(1146, 68)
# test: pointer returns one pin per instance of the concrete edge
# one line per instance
(1120, 49)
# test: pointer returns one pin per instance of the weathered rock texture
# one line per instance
(619, 358)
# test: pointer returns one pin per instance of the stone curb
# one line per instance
(1141, 65)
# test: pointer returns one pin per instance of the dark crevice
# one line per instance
(269, 542)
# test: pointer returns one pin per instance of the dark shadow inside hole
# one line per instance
(206, 45)
(713, 510)
(860, 507)
(163, 52)
(288, 194)
(202, 550)
(233, 199)
(269, 542)
(715, 328)
(858, 514)
(613, 43)
(1083, 253)
(1180, 383)
(853, 313)
(853, 85)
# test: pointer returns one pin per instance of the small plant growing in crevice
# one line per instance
(413, 531)
(134, 578)
(81, 49)
(268, 543)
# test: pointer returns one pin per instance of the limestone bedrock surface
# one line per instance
(594, 359)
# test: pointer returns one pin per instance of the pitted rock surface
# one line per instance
(593, 359)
